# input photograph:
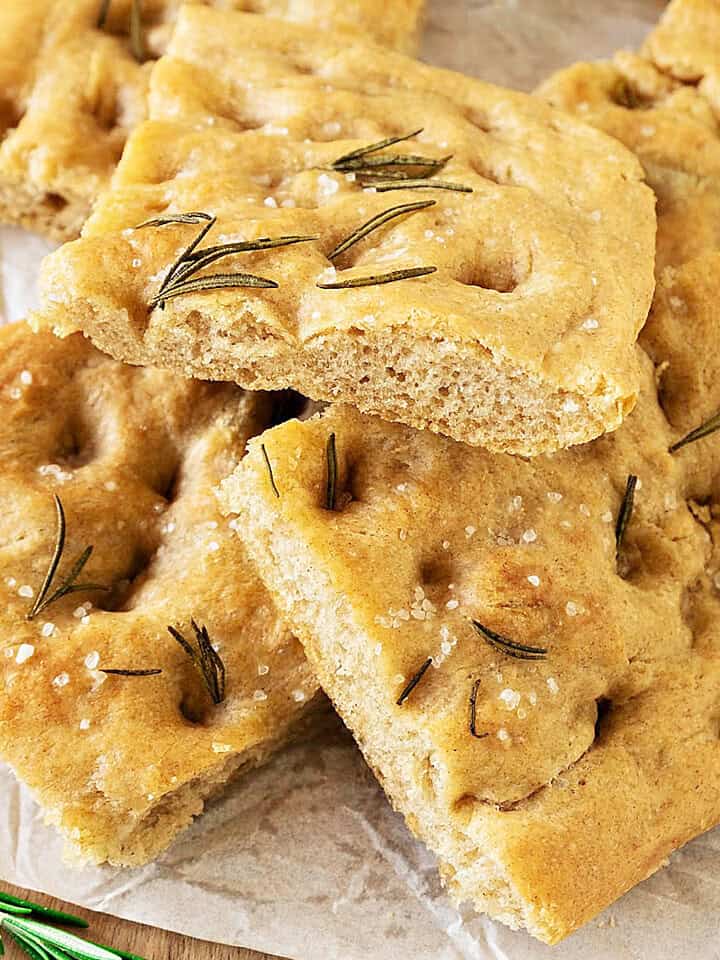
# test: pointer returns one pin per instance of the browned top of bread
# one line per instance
(120, 764)
(74, 88)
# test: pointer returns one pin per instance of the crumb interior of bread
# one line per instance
(125, 841)
(451, 387)
(398, 751)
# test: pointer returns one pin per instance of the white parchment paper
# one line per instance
(306, 859)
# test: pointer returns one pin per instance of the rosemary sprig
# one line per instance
(29, 926)
(216, 281)
(192, 260)
(414, 681)
(137, 40)
(473, 709)
(379, 220)
(112, 672)
(369, 162)
(14, 904)
(704, 430)
(520, 651)
(626, 509)
(206, 660)
(270, 470)
(378, 278)
(373, 148)
(69, 585)
(331, 483)
(382, 186)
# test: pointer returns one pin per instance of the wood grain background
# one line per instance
(148, 942)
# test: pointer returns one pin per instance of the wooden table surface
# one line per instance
(148, 942)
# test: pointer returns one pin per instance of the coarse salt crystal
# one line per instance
(25, 591)
(298, 696)
(48, 629)
(61, 680)
(84, 724)
(452, 604)
(263, 669)
(554, 497)
(26, 378)
(221, 748)
(552, 685)
(590, 324)
(511, 698)
(571, 609)
(534, 580)
(259, 695)
(502, 734)
(92, 660)
(25, 651)
(529, 535)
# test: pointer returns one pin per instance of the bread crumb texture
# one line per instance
(73, 90)
(521, 340)
(121, 764)
(547, 783)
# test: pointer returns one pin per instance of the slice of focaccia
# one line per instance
(530, 664)
(519, 242)
(121, 763)
(74, 78)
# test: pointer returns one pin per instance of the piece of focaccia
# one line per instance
(74, 78)
(120, 764)
(534, 680)
(518, 334)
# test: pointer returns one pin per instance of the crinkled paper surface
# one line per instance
(305, 858)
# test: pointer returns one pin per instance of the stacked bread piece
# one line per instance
(497, 545)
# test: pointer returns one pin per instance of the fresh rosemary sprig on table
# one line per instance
(521, 651)
(626, 509)
(378, 278)
(331, 482)
(414, 681)
(206, 659)
(379, 220)
(704, 430)
(29, 925)
(69, 585)
(473, 709)
(270, 470)
(180, 278)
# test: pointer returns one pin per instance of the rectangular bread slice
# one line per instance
(74, 81)
(537, 695)
(517, 332)
(120, 764)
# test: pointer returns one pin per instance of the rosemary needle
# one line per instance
(331, 483)
(270, 470)
(379, 278)
(704, 430)
(379, 220)
(206, 660)
(137, 41)
(69, 585)
(102, 13)
(511, 648)
(414, 681)
(382, 186)
(626, 509)
(130, 673)
(8, 901)
(473, 708)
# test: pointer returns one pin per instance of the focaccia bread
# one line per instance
(74, 78)
(540, 705)
(549, 780)
(686, 44)
(120, 764)
(521, 339)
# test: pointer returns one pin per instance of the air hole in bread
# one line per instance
(55, 202)
(120, 597)
(499, 276)
(604, 708)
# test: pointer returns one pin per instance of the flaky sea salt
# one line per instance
(25, 651)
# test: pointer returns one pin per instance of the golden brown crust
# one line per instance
(72, 92)
(122, 764)
(603, 758)
(523, 338)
